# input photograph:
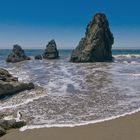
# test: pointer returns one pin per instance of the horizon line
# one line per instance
(113, 48)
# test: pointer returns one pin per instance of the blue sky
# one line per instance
(32, 23)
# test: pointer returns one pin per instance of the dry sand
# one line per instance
(124, 128)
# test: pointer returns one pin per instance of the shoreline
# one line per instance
(31, 127)
(123, 128)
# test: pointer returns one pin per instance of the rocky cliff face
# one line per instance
(51, 51)
(17, 55)
(97, 44)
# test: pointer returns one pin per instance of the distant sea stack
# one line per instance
(97, 44)
(38, 57)
(17, 55)
(51, 51)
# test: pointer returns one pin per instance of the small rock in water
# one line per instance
(19, 116)
(51, 51)
(97, 44)
(9, 124)
(17, 55)
(19, 124)
(38, 57)
(70, 88)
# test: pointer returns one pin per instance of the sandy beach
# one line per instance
(124, 128)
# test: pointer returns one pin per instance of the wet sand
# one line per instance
(124, 128)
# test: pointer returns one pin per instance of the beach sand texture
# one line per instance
(124, 128)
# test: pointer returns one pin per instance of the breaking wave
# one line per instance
(75, 94)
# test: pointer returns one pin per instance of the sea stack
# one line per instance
(97, 44)
(51, 51)
(17, 55)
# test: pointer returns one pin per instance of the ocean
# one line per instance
(74, 94)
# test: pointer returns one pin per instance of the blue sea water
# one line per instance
(33, 52)
(72, 94)
(65, 53)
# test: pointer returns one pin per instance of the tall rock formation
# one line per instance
(17, 55)
(51, 51)
(97, 44)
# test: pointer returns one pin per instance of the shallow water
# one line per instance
(75, 94)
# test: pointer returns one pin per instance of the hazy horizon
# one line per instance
(33, 23)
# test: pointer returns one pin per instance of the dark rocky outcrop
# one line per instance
(97, 44)
(2, 131)
(10, 124)
(51, 51)
(17, 55)
(38, 57)
(9, 85)
(6, 76)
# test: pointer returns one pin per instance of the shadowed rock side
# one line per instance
(97, 44)
(51, 51)
(10, 124)
(2, 131)
(9, 85)
(17, 55)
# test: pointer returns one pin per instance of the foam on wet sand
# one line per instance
(124, 128)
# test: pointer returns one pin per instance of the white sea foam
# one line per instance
(134, 62)
(78, 124)
(8, 117)
(130, 74)
(125, 62)
(18, 118)
(63, 77)
(22, 75)
(26, 102)
(135, 74)
(127, 56)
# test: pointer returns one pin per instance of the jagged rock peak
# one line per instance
(17, 55)
(51, 51)
(97, 44)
